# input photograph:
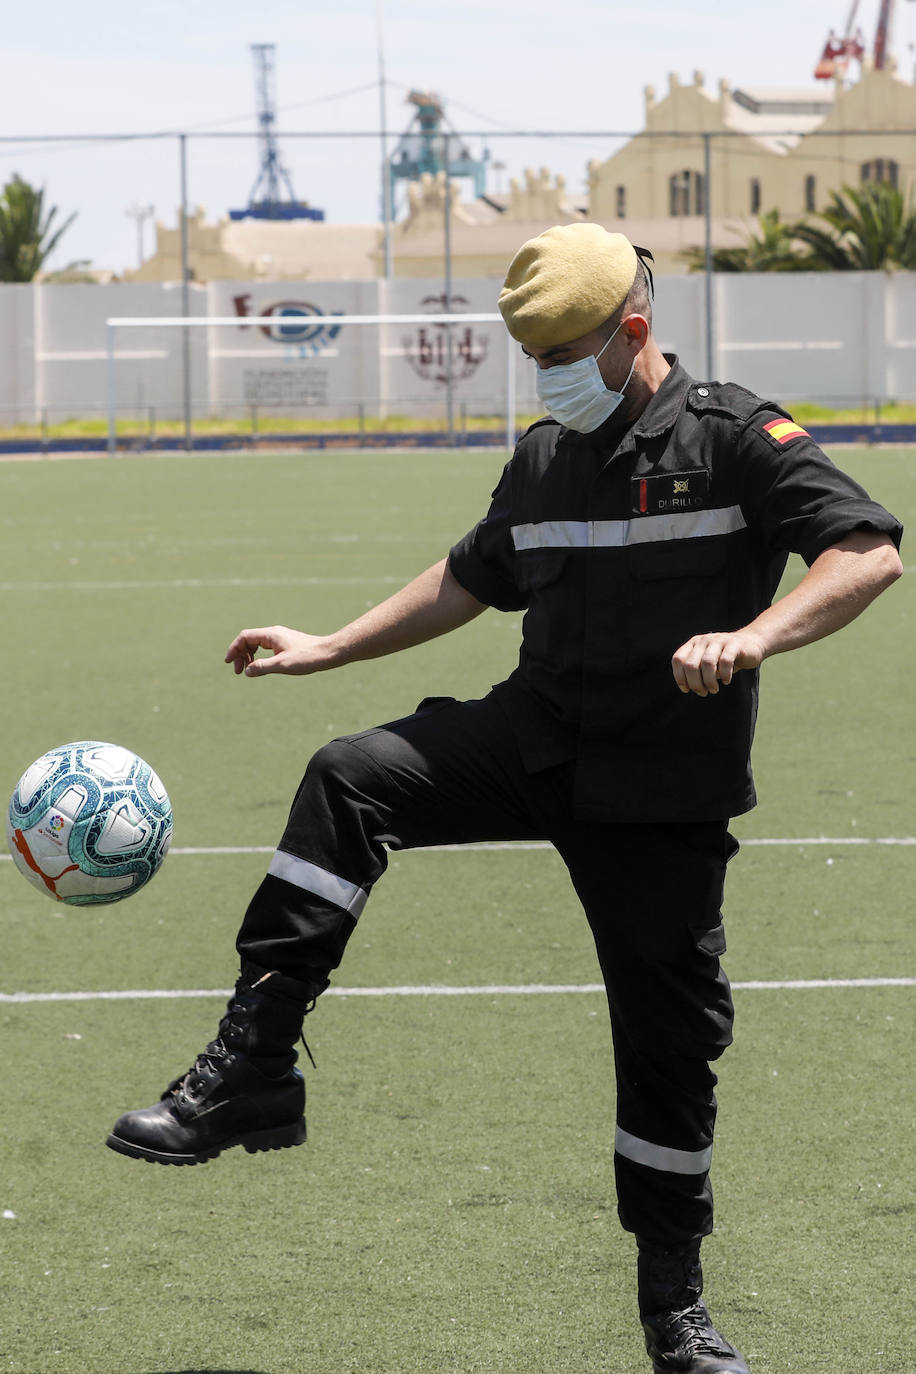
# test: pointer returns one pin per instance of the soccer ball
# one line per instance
(89, 822)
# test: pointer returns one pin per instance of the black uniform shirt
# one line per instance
(620, 547)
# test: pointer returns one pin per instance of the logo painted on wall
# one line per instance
(287, 323)
(427, 348)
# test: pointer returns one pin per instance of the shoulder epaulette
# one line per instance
(725, 398)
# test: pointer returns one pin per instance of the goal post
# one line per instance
(455, 354)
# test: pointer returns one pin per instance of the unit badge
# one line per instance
(670, 491)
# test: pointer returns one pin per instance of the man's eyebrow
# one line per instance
(549, 352)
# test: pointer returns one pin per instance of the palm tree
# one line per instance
(773, 249)
(868, 228)
(26, 237)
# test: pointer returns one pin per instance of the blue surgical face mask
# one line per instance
(575, 393)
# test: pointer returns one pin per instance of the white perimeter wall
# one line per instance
(837, 338)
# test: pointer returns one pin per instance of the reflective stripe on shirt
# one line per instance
(617, 534)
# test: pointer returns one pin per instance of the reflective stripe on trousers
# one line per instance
(662, 1157)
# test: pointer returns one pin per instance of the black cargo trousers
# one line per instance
(451, 773)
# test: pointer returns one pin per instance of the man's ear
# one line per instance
(635, 329)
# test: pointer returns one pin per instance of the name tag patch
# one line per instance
(670, 491)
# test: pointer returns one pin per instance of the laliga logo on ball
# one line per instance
(89, 822)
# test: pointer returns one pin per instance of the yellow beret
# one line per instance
(566, 282)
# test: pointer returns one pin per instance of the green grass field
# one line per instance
(453, 1210)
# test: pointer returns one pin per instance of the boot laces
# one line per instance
(208, 1062)
(306, 1048)
(204, 1068)
(694, 1334)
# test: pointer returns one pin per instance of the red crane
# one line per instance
(882, 33)
(839, 52)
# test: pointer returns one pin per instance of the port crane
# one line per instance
(839, 51)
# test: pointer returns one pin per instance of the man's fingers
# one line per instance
(261, 667)
(241, 652)
(239, 657)
(704, 662)
(284, 651)
(727, 661)
(687, 664)
(245, 645)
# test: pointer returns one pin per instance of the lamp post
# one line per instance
(140, 213)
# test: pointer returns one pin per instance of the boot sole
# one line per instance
(278, 1138)
(726, 1368)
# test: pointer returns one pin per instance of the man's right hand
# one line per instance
(292, 651)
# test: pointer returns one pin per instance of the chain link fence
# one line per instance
(686, 194)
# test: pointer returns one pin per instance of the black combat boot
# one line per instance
(680, 1337)
(244, 1089)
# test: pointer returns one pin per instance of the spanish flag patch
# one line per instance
(784, 430)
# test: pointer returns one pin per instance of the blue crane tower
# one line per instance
(430, 145)
(267, 196)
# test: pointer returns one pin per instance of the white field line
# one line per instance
(846, 839)
(481, 846)
(443, 990)
(495, 989)
(308, 539)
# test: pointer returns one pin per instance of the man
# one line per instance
(644, 527)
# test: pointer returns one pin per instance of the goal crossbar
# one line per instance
(152, 321)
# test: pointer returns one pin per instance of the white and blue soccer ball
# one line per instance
(89, 822)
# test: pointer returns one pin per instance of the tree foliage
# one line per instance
(771, 249)
(867, 228)
(27, 233)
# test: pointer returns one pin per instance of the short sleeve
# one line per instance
(484, 560)
(795, 498)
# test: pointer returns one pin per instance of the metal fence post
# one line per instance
(707, 240)
(112, 405)
(510, 392)
(449, 379)
(185, 295)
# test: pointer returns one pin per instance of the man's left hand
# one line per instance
(837, 587)
(706, 660)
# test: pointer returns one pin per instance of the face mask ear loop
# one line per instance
(597, 355)
(607, 341)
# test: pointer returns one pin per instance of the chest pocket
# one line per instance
(677, 558)
(677, 588)
(539, 568)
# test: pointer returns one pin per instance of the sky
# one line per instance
(565, 66)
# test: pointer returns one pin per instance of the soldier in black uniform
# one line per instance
(643, 528)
